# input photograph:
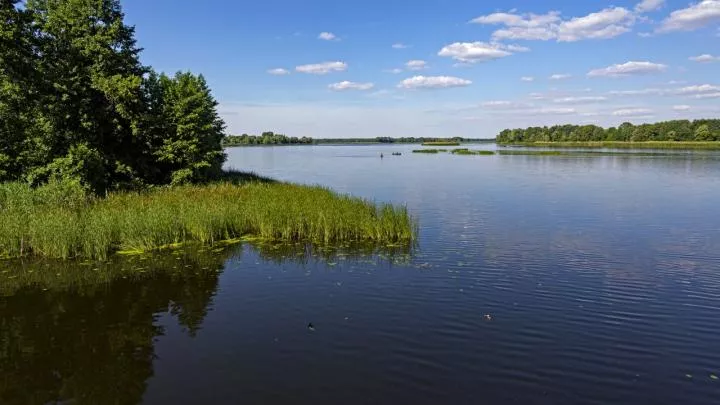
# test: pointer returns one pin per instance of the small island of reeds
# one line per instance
(441, 143)
(60, 220)
(465, 151)
(427, 151)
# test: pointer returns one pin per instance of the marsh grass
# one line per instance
(627, 145)
(426, 151)
(61, 221)
(441, 143)
(466, 151)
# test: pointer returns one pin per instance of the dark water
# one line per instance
(601, 276)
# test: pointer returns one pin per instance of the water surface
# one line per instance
(536, 280)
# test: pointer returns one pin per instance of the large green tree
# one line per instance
(75, 102)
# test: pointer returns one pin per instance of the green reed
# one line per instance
(426, 151)
(61, 221)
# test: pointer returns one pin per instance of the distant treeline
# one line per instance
(678, 130)
(271, 138)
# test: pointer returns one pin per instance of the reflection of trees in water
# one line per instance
(93, 343)
(84, 332)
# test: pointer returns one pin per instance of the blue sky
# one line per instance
(469, 68)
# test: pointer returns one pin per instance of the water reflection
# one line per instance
(85, 332)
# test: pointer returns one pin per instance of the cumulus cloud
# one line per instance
(416, 64)
(322, 68)
(327, 36)
(560, 76)
(399, 45)
(696, 16)
(641, 92)
(649, 5)
(552, 111)
(527, 78)
(580, 100)
(681, 107)
(628, 69)
(346, 85)
(707, 95)
(433, 82)
(705, 58)
(607, 23)
(394, 71)
(632, 112)
(278, 72)
(697, 90)
(472, 52)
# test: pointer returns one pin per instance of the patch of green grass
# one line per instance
(426, 151)
(530, 152)
(628, 145)
(466, 151)
(441, 143)
(50, 221)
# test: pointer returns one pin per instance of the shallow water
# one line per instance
(600, 276)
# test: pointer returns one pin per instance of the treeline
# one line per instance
(76, 103)
(266, 138)
(271, 138)
(678, 130)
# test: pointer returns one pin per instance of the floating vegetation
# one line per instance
(585, 153)
(625, 145)
(426, 151)
(441, 143)
(466, 151)
(60, 222)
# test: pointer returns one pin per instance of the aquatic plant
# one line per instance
(466, 151)
(626, 145)
(441, 143)
(426, 151)
(62, 221)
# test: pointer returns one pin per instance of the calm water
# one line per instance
(601, 277)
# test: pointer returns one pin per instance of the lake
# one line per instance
(535, 280)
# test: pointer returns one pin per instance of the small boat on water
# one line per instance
(397, 154)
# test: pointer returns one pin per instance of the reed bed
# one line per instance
(61, 221)
(441, 143)
(465, 151)
(628, 145)
(426, 151)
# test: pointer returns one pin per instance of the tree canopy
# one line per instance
(678, 130)
(75, 102)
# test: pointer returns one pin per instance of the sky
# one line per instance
(438, 68)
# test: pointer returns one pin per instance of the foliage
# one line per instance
(426, 151)
(441, 143)
(60, 220)
(465, 151)
(75, 103)
(668, 131)
(267, 138)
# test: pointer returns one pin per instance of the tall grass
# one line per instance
(426, 151)
(441, 143)
(628, 145)
(466, 151)
(61, 221)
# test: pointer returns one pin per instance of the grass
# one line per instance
(465, 151)
(585, 153)
(60, 221)
(441, 143)
(426, 151)
(628, 145)
(531, 152)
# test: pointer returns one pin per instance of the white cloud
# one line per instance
(681, 107)
(327, 36)
(697, 90)
(632, 112)
(607, 23)
(705, 58)
(580, 100)
(416, 64)
(696, 16)
(708, 95)
(527, 78)
(433, 82)
(471, 52)
(346, 85)
(628, 69)
(649, 5)
(322, 68)
(553, 111)
(278, 72)
(642, 92)
(399, 45)
(394, 71)
(560, 76)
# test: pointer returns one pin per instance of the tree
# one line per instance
(191, 147)
(702, 133)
